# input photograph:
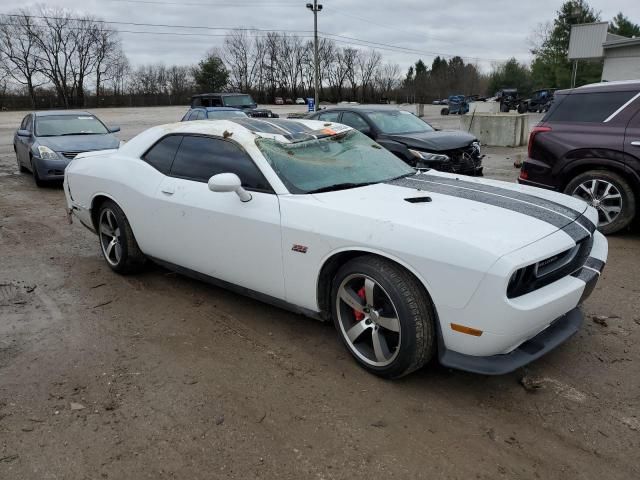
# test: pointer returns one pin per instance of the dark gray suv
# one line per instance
(588, 146)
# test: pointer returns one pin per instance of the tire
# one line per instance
(444, 111)
(504, 108)
(21, 168)
(113, 229)
(402, 317)
(36, 178)
(522, 108)
(592, 187)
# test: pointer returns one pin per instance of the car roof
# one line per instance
(217, 109)
(50, 113)
(217, 94)
(362, 108)
(617, 86)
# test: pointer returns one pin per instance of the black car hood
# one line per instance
(436, 141)
(80, 143)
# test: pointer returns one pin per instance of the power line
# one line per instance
(212, 4)
(91, 20)
(344, 39)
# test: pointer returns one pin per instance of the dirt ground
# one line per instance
(159, 376)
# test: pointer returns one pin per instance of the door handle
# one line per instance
(168, 189)
(636, 143)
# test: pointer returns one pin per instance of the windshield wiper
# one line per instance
(340, 186)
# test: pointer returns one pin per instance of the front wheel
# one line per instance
(118, 245)
(384, 316)
(610, 194)
(36, 176)
(444, 111)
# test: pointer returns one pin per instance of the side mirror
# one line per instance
(229, 182)
(114, 129)
(24, 133)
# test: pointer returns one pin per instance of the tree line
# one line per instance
(76, 60)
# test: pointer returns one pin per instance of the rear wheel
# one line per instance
(444, 111)
(118, 245)
(384, 316)
(610, 194)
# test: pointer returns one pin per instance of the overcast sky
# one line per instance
(483, 32)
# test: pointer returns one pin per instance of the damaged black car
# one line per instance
(411, 138)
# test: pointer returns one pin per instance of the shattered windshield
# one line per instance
(347, 160)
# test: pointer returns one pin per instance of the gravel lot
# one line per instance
(159, 376)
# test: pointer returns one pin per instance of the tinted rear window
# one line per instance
(587, 107)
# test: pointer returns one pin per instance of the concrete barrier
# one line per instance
(497, 130)
(484, 107)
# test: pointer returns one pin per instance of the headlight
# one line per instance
(430, 157)
(476, 146)
(47, 154)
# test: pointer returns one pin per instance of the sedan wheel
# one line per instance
(118, 245)
(609, 194)
(384, 316)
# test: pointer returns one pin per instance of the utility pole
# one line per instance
(315, 8)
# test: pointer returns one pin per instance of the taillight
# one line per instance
(532, 136)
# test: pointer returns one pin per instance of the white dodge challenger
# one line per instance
(318, 218)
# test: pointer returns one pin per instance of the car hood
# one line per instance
(437, 141)
(490, 216)
(80, 143)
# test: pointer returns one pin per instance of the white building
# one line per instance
(621, 59)
(620, 55)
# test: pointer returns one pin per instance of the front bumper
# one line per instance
(508, 324)
(50, 169)
(557, 333)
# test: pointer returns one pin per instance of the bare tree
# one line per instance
(366, 65)
(56, 49)
(18, 48)
(106, 51)
(387, 79)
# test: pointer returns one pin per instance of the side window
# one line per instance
(216, 102)
(329, 116)
(200, 115)
(161, 155)
(200, 158)
(587, 107)
(354, 120)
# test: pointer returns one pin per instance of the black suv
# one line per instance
(588, 146)
(242, 101)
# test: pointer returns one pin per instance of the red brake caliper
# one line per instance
(359, 315)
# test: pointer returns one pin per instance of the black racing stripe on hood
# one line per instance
(516, 195)
(273, 125)
(552, 217)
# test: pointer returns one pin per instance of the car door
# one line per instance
(216, 234)
(632, 140)
(23, 144)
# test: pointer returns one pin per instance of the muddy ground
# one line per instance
(159, 376)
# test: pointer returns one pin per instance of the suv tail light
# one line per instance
(532, 136)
